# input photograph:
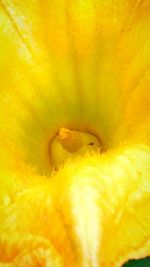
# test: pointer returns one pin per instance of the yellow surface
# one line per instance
(70, 144)
(80, 64)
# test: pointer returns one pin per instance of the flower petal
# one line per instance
(72, 64)
(94, 212)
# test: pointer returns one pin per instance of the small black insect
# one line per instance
(91, 144)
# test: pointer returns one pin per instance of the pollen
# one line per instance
(71, 141)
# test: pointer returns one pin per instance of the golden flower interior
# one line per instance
(69, 144)
(62, 72)
(83, 66)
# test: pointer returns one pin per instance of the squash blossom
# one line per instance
(74, 132)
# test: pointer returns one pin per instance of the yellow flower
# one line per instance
(73, 74)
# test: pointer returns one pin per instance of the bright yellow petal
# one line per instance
(81, 65)
(95, 212)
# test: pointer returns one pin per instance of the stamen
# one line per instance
(70, 140)
(69, 144)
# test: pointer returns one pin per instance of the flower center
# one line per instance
(69, 144)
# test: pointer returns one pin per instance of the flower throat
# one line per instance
(69, 144)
